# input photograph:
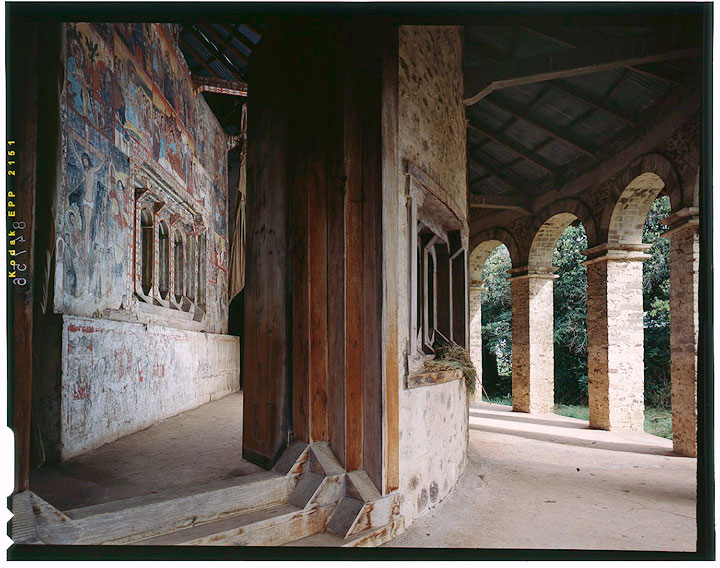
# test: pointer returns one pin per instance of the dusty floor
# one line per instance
(547, 481)
(197, 446)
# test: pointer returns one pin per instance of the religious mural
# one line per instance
(129, 105)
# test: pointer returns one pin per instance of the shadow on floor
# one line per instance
(522, 417)
(193, 448)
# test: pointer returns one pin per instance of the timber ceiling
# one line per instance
(217, 54)
(542, 100)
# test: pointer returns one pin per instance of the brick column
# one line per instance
(533, 373)
(475, 342)
(616, 373)
(684, 269)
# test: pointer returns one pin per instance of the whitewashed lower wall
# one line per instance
(118, 378)
(433, 444)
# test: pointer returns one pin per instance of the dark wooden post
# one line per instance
(21, 179)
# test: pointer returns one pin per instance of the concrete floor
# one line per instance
(192, 448)
(549, 482)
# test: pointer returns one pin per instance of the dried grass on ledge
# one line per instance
(450, 357)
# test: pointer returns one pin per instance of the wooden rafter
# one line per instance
(198, 57)
(235, 34)
(504, 141)
(484, 79)
(218, 55)
(496, 173)
(511, 109)
(222, 86)
(517, 202)
(225, 42)
(574, 42)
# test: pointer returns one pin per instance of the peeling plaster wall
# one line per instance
(135, 135)
(119, 378)
(433, 419)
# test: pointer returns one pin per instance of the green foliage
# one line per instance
(570, 307)
(496, 323)
(656, 306)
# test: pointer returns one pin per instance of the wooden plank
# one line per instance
(300, 286)
(353, 269)
(333, 111)
(22, 129)
(317, 267)
(205, 63)
(390, 190)
(433, 378)
(267, 298)
(516, 202)
(269, 527)
(372, 296)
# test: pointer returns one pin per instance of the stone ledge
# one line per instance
(432, 378)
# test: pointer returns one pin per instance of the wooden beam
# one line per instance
(481, 80)
(198, 57)
(217, 85)
(560, 36)
(235, 34)
(547, 129)
(226, 42)
(517, 202)
(513, 147)
(220, 57)
(496, 173)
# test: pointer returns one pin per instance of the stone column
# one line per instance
(616, 372)
(533, 373)
(684, 327)
(475, 342)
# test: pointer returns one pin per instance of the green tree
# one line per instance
(656, 307)
(570, 318)
(496, 323)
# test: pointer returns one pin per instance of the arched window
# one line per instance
(179, 267)
(146, 243)
(202, 247)
(190, 271)
(164, 253)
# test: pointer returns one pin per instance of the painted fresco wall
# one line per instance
(134, 134)
(131, 120)
(433, 419)
(123, 377)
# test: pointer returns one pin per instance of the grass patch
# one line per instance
(658, 422)
(505, 399)
(573, 411)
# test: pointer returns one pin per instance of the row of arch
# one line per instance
(187, 277)
(614, 296)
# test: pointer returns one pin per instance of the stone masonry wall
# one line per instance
(684, 281)
(433, 419)
(532, 344)
(615, 344)
(118, 378)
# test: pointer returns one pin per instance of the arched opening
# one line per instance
(656, 324)
(491, 320)
(201, 254)
(164, 260)
(616, 367)
(179, 267)
(190, 271)
(570, 345)
(146, 245)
